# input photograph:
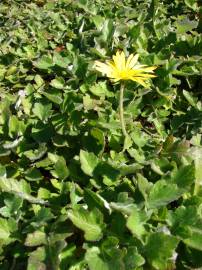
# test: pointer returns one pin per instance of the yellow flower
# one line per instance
(126, 69)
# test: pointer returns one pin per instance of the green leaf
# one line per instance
(98, 21)
(94, 259)
(88, 7)
(42, 111)
(193, 4)
(107, 257)
(184, 177)
(195, 240)
(43, 193)
(58, 83)
(139, 138)
(95, 200)
(61, 168)
(144, 185)
(13, 126)
(184, 216)
(183, 24)
(36, 154)
(7, 227)
(89, 222)
(39, 80)
(35, 239)
(127, 143)
(53, 251)
(98, 136)
(12, 144)
(45, 62)
(88, 162)
(33, 174)
(20, 189)
(107, 30)
(196, 155)
(133, 259)
(109, 173)
(42, 217)
(12, 206)
(101, 90)
(129, 169)
(135, 223)
(190, 98)
(36, 259)
(2, 171)
(66, 256)
(61, 61)
(159, 249)
(54, 96)
(126, 207)
(162, 193)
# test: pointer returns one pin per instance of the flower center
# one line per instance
(124, 74)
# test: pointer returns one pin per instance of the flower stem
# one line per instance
(121, 111)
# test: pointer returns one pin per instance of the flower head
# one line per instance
(121, 68)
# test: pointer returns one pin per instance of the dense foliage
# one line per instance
(74, 194)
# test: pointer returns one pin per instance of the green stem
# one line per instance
(121, 111)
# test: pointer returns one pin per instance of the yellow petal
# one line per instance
(122, 61)
(102, 67)
(132, 60)
(119, 60)
(148, 69)
(111, 64)
(145, 75)
(98, 64)
(129, 60)
(140, 81)
(116, 59)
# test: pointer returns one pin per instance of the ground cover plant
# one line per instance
(75, 192)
